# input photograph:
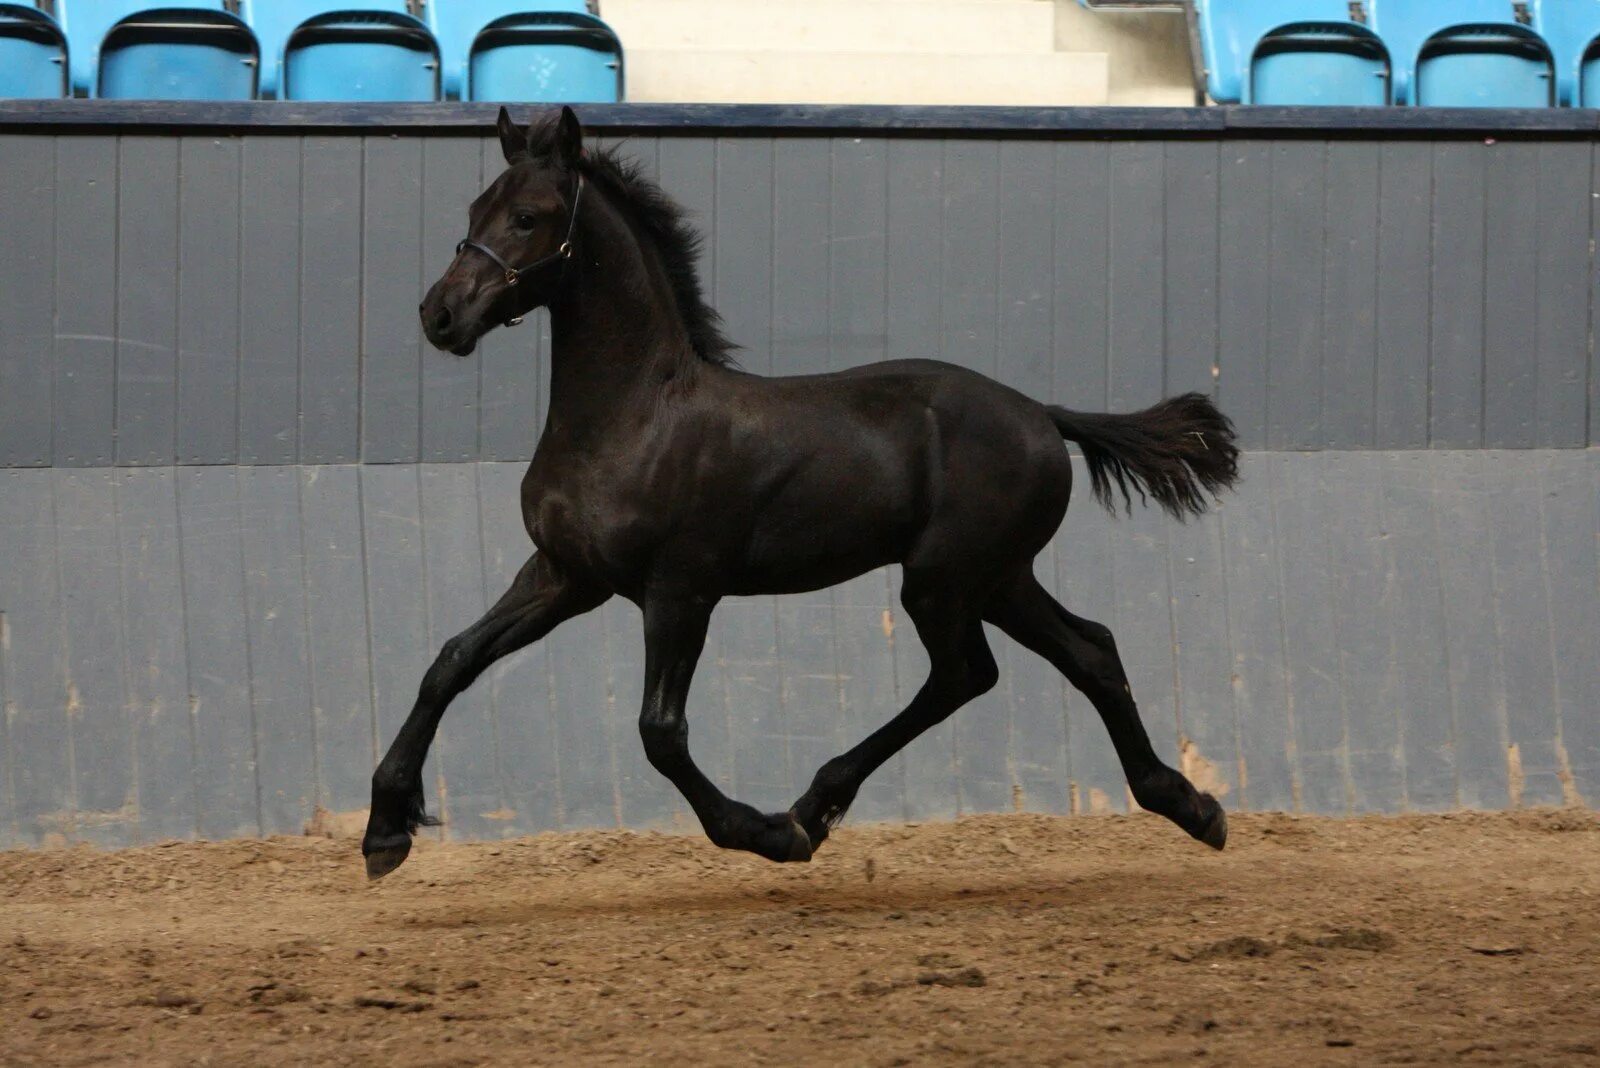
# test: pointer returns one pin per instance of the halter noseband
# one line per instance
(514, 274)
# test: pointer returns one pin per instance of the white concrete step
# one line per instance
(932, 26)
(775, 77)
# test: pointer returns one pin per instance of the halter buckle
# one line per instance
(565, 250)
(512, 276)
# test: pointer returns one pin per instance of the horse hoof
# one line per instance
(782, 840)
(386, 854)
(799, 843)
(1214, 831)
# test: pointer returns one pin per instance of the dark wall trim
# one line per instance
(101, 116)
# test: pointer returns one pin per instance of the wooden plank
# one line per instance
(1413, 604)
(1209, 750)
(452, 566)
(1312, 638)
(1368, 675)
(218, 650)
(1086, 584)
(1523, 626)
(1191, 198)
(1350, 296)
(84, 390)
(742, 283)
(1562, 265)
(275, 606)
(209, 283)
(1081, 223)
(157, 663)
(801, 238)
(339, 662)
(1293, 368)
(1244, 246)
(391, 268)
(513, 365)
(1463, 538)
(270, 274)
(519, 687)
(1035, 716)
(1405, 237)
(451, 178)
(1569, 481)
(912, 249)
(858, 213)
(764, 771)
(106, 797)
(36, 660)
(1457, 320)
(391, 524)
(1269, 773)
(147, 299)
(27, 303)
(808, 686)
(1136, 283)
(1510, 293)
(330, 299)
(929, 767)
(969, 255)
(577, 668)
(647, 798)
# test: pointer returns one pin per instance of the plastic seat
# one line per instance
(527, 50)
(1236, 33)
(1465, 53)
(352, 50)
(1572, 30)
(33, 54)
(1318, 63)
(178, 49)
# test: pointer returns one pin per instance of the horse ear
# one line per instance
(513, 138)
(569, 138)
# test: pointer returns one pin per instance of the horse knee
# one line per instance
(983, 674)
(666, 739)
(443, 679)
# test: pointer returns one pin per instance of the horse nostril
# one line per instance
(441, 320)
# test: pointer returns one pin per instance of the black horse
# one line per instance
(671, 478)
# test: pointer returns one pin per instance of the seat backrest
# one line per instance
(548, 57)
(457, 23)
(1408, 26)
(1571, 28)
(274, 22)
(1319, 63)
(33, 54)
(1230, 31)
(87, 22)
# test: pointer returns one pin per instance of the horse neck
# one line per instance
(615, 331)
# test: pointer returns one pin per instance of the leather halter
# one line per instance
(514, 274)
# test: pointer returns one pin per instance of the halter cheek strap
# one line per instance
(514, 274)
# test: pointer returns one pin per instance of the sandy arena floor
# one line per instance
(996, 940)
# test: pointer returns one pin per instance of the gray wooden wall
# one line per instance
(241, 502)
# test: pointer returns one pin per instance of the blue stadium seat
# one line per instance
(1465, 53)
(168, 49)
(1316, 43)
(527, 50)
(33, 54)
(1572, 29)
(1319, 63)
(357, 50)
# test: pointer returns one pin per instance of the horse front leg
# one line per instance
(541, 597)
(674, 635)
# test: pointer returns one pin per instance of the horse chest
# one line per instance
(587, 526)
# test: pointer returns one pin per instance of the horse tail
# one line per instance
(1177, 451)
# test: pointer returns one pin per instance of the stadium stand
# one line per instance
(162, 49)
(33, 54)
(514, 50)
(344, 50)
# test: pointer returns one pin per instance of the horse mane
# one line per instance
(662, 220)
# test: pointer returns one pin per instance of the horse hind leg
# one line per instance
(961, 668)
(1086, 653)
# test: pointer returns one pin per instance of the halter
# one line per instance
(514, 274)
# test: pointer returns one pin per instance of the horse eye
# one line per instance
(524, 221)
